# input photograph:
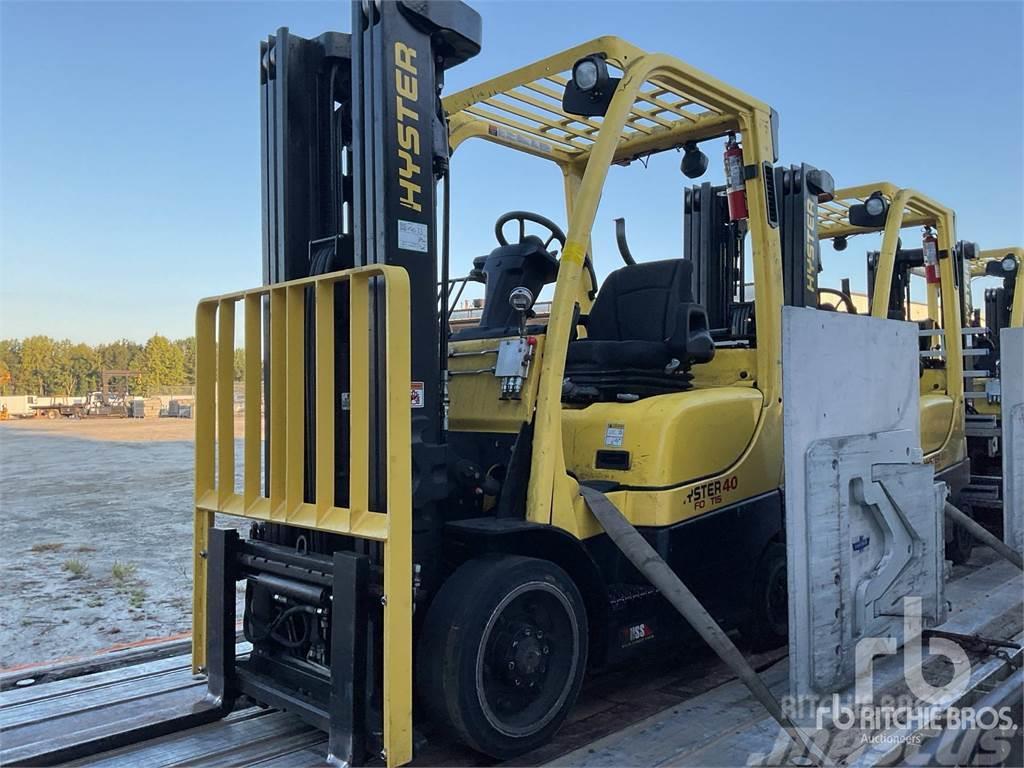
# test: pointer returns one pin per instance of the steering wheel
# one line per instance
(845, 298)
(522, 217)
(556, 234)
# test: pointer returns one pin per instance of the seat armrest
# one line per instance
(691, 339)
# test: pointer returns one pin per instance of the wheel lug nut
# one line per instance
(511, 666)
(539, 634)
(527, 632)
(546, 650)
(518, 682)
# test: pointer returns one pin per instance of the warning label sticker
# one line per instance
(416, 394)
(519, 138)
(613, 435)
(412, 236)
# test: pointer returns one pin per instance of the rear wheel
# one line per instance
(503, 653)
(769, 617)
(958, 548)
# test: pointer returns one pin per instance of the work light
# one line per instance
(589, 91)
(590, 74)
(871, 213)
(839, 243)
(875, 205)
(1005, 267)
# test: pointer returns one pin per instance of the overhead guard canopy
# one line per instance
(523, 109)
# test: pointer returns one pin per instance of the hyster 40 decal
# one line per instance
(710, 493)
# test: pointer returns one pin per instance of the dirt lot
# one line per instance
(122, 430)
(97, 535)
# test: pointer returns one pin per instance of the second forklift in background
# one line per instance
(1004, 308)
(883, 207)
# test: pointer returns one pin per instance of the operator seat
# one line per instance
(643, 334)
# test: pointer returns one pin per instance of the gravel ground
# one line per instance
(97, 543)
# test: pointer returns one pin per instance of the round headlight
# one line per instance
(584, 74)
(874, 205)
(1009, 263)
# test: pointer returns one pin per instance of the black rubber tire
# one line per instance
(462, 634)
(768, 626)
(958, 548)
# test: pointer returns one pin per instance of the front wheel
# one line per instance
(503, 653)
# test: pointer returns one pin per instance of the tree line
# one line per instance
(39, 365)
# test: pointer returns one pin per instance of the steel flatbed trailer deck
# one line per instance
(683, 711)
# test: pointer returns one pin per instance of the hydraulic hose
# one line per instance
(269, 630)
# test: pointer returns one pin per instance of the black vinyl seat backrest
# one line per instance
(643, 334)
(638, 302)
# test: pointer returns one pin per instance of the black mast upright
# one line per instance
(400, 52)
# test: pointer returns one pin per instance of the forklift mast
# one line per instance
(909, 259)
(400, 151)
(715, 246)
(798, 190)
(899, 295)
(353, 143)
(305, 142)
(999, 301)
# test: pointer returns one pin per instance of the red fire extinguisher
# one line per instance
(930, 248)
(735, 183)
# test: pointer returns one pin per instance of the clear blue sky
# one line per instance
(129, 134)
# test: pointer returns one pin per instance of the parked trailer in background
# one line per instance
(95, 404)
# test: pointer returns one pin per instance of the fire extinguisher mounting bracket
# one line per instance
(749, 172)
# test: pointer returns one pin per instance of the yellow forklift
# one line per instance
(1004, 308)
(422, 507)
(942, 262)
(1001, 310)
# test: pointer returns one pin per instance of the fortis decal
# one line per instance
(407, 118)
